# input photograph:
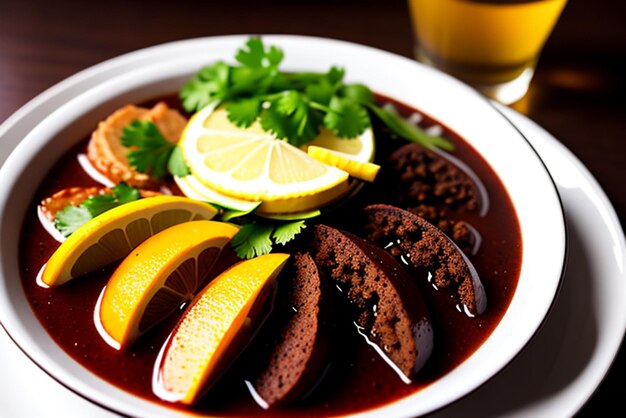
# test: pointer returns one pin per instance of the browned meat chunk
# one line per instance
(298, 356)
(422, 245)
(425, 178)
(388, 307)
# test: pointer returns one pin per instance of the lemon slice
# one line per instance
(195, 189)
(361, 170)
(157, 277)
(112, 235)
(359, 149)
(253, 165)
(214, 329)
(290, 208)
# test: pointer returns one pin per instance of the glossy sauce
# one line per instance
(356, 377)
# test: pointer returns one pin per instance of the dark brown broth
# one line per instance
(357, 378)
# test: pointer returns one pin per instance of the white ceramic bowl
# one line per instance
(159, 70)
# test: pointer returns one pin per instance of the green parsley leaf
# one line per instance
(256, 56)
(120, 194)
(320, 92)
(274, 122)
(149, 149)
(253, 55)
(150, 152)
(298, 127)
(346, 118)
(289, 102)
(320, 89)
(358, 93)
(252, 240)
(176, 163)
(258, 237)
(285, 232)
(244, 112)
(247, 81)
(258, 70)
(210, 84)
(70, 218)
(293, 106)
(335, 75)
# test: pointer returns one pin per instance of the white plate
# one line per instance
(26, 118)
(566, 361)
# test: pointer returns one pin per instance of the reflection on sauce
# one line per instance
(357, 378)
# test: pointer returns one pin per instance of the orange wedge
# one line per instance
(211, 331)
(109, 237)
(158, 276)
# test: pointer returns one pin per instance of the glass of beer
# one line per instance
(492, 45)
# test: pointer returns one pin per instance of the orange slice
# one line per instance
(112, 235)
(210, 334)
(158, 276)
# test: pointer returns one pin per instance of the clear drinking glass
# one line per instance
(492, 45)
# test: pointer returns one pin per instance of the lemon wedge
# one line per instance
(252, 165)
(214, 329)
(112, 235)
(359, 149)
(157, 277)
(361, 170)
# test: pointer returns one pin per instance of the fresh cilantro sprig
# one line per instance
(293, 106)
(258, 237)
(70, 218)
(150, 152)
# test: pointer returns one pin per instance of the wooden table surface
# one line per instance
(578, 93)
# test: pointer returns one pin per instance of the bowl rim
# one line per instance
(145, 55)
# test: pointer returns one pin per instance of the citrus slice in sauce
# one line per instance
(157, 277)
(111, 236)
(214, 328)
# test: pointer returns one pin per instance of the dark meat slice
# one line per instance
(462, 232)
(422, 245)
(388, 307)
(298, 357)
(423, 177)
(439, 188)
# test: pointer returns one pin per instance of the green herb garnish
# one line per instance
(70, 218)
(150, 152)
(258, 237)
(293, 106)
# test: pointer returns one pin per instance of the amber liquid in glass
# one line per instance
(483, 42)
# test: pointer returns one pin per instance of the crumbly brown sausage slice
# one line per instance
(388, 307)
(300, 354)
(423, 245)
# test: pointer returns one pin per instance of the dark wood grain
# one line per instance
(577, 94)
